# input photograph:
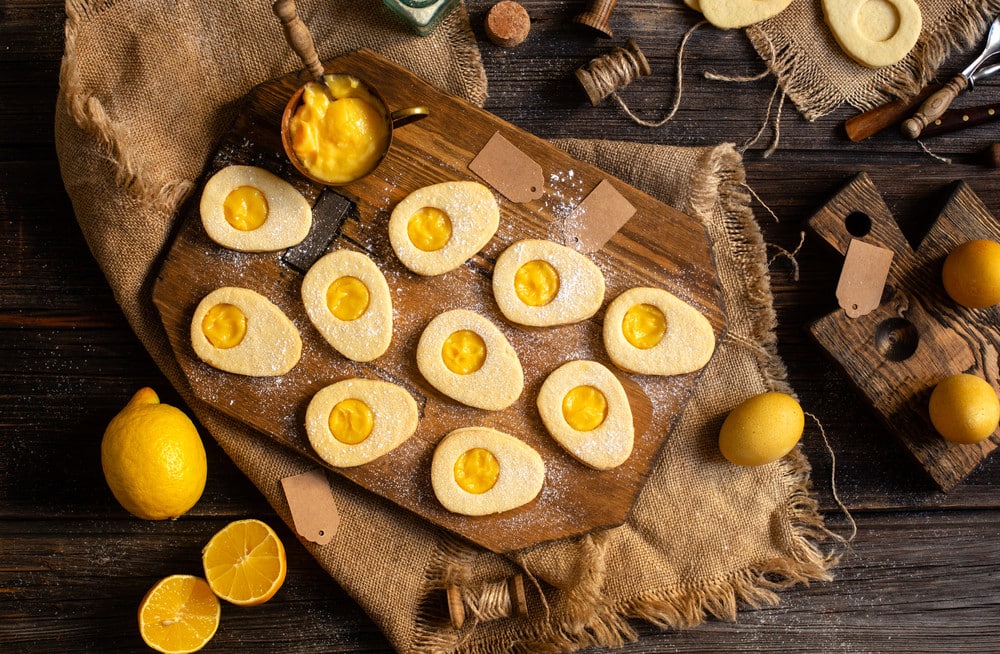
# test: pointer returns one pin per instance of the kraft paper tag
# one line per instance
(599, 217)
(862, 280)
(511, 172)
(314, 511)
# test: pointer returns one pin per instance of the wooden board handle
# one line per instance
(933, 107)
(298, 36)
(873, 121)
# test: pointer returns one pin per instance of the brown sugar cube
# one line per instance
(507, 24)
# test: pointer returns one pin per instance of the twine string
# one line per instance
(833, 484)
(791, 256)
(490, 602)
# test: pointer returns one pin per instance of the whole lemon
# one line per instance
(153, 458)
(761, 429)
(964, 409)
(971, 274)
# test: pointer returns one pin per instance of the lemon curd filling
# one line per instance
(536, 283)
(429, 229)
(347, 298)
(224, 325)
(340, 132)
(464, 352)
(585, 408)
(477, 470)
(351, 421)
(245, 208)
(644, 326)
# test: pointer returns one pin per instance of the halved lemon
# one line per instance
(245, 562)
(179, 614)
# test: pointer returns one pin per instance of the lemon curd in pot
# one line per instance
(340, 132)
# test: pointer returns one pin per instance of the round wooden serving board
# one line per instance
(659, 247)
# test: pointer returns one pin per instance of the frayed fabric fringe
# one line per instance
(814, 97)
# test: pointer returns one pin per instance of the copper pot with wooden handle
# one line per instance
(300, 40)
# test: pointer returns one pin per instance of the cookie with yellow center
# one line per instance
(650, 331)
(348, 301)
(437, 228)
(586, 410)
(248, 209)
(466, 357)
(481, 471)
(355, 421)
(540, 283)
(240, 331)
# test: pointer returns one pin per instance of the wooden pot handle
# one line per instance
(933, 107)
(298, 36)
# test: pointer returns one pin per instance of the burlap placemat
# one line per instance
(148, 88)
(818, 77)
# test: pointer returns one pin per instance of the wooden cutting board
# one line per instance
(917, 335)
(658, 247)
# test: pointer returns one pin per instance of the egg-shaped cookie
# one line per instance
(437, 228)
(355, 421)
(481, 471)
(240, 331)
(651, 331)
(466, 357)
(584, 407)
(248, 209)
(540, 283)
(348, 301)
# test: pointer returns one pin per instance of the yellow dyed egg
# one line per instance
(355, 421)
(466, 357)
(540, 283)
(971, 274)
(482, 471)
(348, 301)
(584, 407)
(240, 331)
(964, 409)
(248, 209)
(761, 429)
(437, 228)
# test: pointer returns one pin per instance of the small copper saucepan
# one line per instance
(300, 40)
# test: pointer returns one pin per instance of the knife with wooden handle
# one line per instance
(956, 119)
(937, 104)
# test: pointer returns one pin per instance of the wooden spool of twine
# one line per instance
(612, 71)
(502, 599)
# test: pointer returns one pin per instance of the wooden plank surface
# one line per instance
(921, 576)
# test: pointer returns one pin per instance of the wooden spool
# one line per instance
(597, 88)
(597, 16)
(516, 600)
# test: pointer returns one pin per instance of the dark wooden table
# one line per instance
(924, 571)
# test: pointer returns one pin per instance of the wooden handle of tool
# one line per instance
(873, 121)
(597, 14)
(298, 36)
(955, 119)
(933, 107)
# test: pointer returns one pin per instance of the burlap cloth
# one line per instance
(818, 77)
(148, 87)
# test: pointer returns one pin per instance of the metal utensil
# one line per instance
(934, 106)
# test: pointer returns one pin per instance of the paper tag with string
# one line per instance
(314, 511)
(863, 278)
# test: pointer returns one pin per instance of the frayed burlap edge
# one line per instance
(166, 195)
(586, 618)
(805, 85)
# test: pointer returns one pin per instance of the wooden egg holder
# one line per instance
(917, 335)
